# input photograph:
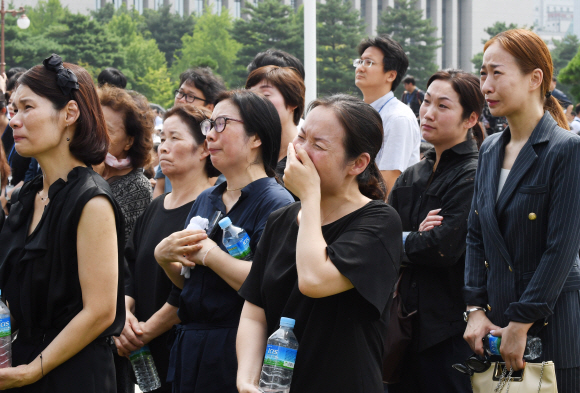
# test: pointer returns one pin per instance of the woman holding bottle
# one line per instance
(243, 139)
(522, 274)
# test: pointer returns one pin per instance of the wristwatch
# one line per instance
(466, 313)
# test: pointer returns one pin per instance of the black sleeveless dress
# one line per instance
(39, 279)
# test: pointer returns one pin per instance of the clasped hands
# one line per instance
(187, 247)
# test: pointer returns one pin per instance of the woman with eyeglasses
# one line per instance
(243, 139)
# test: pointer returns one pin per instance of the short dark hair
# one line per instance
(139, 121)
(288, 83)
(260, 118)
(577, 108)
(394, 58)
(15, 70)
(409, 79)
(90, 142)
(363, 133)
(278, 58)
(192, 116)
(204, 79)
(112, 76)
(12, 82)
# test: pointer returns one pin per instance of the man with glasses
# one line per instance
(197, 86)
(379, 71)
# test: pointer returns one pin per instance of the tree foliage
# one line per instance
(492, 31)
(405, 24)
(563, 52)
(570, 75)
(339, 31)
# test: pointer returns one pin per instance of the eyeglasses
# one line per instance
(473, 364)
(366, 62)
(188, 98)
(219, 124)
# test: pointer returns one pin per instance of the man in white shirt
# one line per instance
(575, 124)
(379, 71)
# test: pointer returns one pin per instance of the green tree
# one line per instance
(44, 15)
(104, 14)
(167, 28)
(270, 24)
(405, 24)
(564, 50)
(339, 31)
(157, 86)
(492, 31)
(210, 44)
(570, 75)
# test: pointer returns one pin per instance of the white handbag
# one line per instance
(535, 377)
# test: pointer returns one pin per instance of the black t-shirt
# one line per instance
(148, 284)
(341, 337)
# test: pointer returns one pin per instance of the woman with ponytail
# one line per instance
(522, 271)
(433, 198)
(329, 261)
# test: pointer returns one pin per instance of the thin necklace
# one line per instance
(235, 189)
(342, 204)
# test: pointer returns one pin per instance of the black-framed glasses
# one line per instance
(365, 63)
(473, 364)
(219, 124)
(189, 98)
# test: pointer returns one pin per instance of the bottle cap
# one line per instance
(225, 222)
(288, 322)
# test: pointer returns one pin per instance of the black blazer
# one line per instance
(522, 251)
(434, 260)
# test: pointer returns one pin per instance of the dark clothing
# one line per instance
(18, 164)
(33, 170)
(431, 371)
(341, 337)
(208, 307)
(562, 98)
(521, 266)
(413, 100)
(133, 193)
(435, 260)
(39, 277)
(147, 283)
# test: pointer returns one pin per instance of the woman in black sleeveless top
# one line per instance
(60, 258)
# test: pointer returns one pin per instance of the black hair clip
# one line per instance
(548, 94)
(65, 78)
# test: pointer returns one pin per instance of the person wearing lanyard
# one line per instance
(244, 145)
(379, 71)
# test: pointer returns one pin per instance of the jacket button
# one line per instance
(476, 212)
(488, 307)
(510, 268)
(486, 265)
(532, 216)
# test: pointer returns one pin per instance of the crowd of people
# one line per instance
(346, 203)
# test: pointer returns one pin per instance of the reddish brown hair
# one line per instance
(4, 169)
(531, 52)
(138, 121)
(288, 82)
(90, 141)
(466, 85)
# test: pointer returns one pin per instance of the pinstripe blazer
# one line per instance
(522, 250)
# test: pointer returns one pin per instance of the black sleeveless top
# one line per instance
(39, 273)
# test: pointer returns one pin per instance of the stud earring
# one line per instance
(68, 139)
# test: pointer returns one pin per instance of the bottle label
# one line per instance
(5, 326)
(141, 352)
(494, 344)
(240, 249)
(280, 357)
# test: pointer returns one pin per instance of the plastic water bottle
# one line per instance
(279, 359)
(5, 337)
(235, 239)
(533, 349)
(145, 370)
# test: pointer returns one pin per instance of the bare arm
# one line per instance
(250, 347)
(159, 323)
(390, 177)
(98, 276)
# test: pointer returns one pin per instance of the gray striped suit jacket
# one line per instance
(522, 251)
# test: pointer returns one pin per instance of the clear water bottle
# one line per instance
(145, 370)
(5, 337)
(533, 349)
(235, 239)
(279, 360)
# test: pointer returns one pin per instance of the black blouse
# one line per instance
(341, 337)
(39, 273)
